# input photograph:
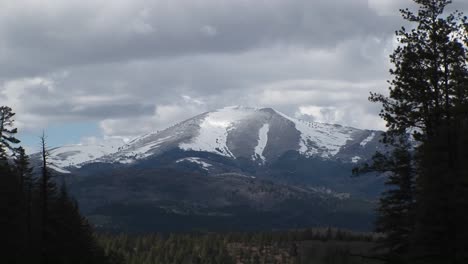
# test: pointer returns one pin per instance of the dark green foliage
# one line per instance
(322, 246)
(10, 192)
(441, 231)
(10, 204)
(396, 206)
(429, 77)
(38, 223)
(7, 131)
(428, 102)
(170, 249)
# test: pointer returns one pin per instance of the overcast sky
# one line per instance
(88, 69)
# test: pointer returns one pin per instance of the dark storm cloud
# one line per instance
(41, 38)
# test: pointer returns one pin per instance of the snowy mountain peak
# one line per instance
(258, 134)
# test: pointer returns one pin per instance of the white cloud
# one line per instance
(163, 117)
(15, 93)
(320, 114)
(347, 115)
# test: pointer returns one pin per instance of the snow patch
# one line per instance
(326, 191)
(142, 152)
(367, 140)
(355, 159)
(59, 170)
(77, 155)
(198, 161)
(212, 136)
(321, 139)
(262, 142)
(129, 155)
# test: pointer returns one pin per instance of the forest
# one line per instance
(421, 218)
(325, 245)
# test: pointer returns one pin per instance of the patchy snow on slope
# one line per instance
(209, 132)
(355, 159)
(59, 170)
(262, 142)
(234, 174)
(145, 149)
(198, 161)
(214, 129)
(129, 155)
(321, 139)
(77, 155)
(367, 140)
(326, 191)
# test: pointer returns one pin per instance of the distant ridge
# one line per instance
(257, 134)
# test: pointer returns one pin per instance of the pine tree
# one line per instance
(23, 169)
(7, 131)
(395, 213)
(10, 195)
(39, 223)
(23, 172)
(10, 219)
(426, 77)
(428, 99)
(72, 240)
(47, 193)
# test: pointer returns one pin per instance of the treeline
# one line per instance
(423, 214)
(39, 222)
(325, 246)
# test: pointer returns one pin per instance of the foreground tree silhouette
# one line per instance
(66, 236)
(38, 223)
(47, 189)
(10, 196)
(7, 131)
(428, 104)
(395, 215)
(24, 174)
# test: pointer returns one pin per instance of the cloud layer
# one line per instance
(133, 66)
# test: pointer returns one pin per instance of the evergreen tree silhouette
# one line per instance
(428, 101)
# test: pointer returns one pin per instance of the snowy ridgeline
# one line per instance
(210, 132)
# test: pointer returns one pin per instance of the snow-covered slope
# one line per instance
(258, 134)
(77, 155)
(321, 139)
(214, 130)
(229, 129)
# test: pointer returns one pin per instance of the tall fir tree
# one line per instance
(395, 212)
(47, 193)
(428, 99)
(10, 195)
(7, 130)
(24, 173)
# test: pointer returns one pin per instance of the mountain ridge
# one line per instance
(232, 168)
(259, 134)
